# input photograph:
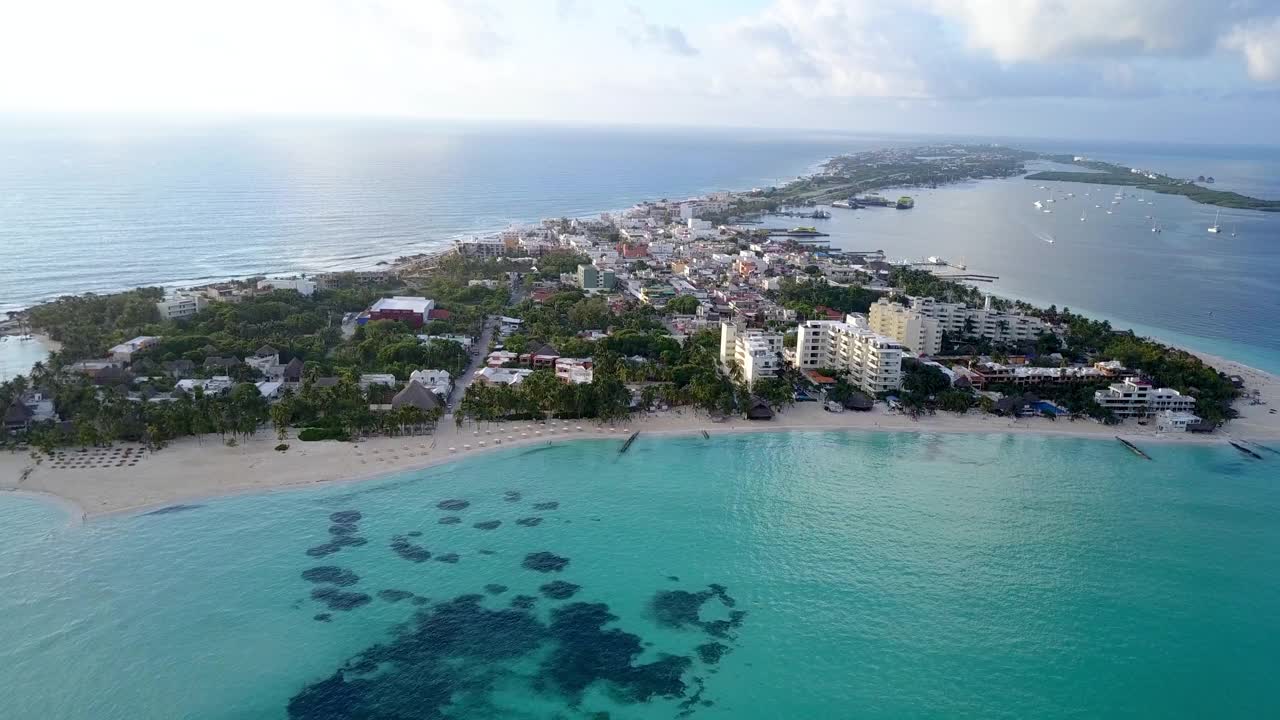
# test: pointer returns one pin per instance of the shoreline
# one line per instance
(191, 471)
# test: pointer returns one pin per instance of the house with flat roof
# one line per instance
(127, 350)
(412, 311)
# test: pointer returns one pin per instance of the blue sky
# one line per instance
(1190, 70)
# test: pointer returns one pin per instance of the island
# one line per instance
(576, 328)
(1097, 172)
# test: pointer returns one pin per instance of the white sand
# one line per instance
(189, 470)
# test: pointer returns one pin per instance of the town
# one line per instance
(667, 304)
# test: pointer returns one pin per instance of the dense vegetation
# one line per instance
(922, 283)
(305, 328)
(805, 296)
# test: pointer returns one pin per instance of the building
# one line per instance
(437, 381)
(368, 380)
(873, 361)
(592, 278)
(292, 372)
(917, 332)
(30, 408)
(465, 341)
(956, 320)
(575, 371)
(1170, 421)
(483, 247)
(302, 286)
(502, 376)
(756, 353)
(540, 356)
(181, 305)
(417, 395)
(270, 389)
(266, 361)
(126, 351)
(1137, 398)
(215, 385)
(498, 358)
(410, 310)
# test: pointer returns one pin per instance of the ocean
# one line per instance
(117, 205)
(801, 575)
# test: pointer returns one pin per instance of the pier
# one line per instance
(630, 440)
(1136, 450)
(1244, 450)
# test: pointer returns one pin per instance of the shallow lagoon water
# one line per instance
(880, 576)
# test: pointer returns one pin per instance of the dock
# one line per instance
(1260, 446)
(630, 440)
(1244, 450)
(1136, 450)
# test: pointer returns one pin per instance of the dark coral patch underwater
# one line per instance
(409, 551)
(449, 660)
(545, 562)
(330, 574)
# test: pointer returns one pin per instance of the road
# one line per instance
(480, 350)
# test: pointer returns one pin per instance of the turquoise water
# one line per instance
(880, 576)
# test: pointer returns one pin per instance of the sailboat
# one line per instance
(1233, 230)
(1082, 215)
(1215, 228)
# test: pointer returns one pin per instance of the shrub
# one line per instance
(319, 433)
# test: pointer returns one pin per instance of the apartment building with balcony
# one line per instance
(874, 361)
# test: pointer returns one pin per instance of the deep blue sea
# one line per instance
(99, 207)
(783, 575)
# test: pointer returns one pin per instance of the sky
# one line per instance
(1180, 70)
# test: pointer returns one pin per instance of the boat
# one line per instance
(1047, 210)
(1097, 206)
(1108, 212)
(1047, 239)
(1082, 217)
(1215, 228)
(1038, 204)
(1233, 230)
(905, 203)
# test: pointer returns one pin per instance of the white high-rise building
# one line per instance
(874, 361)
(756, 352)
(918, 333)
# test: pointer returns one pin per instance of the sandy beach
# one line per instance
(191, 469)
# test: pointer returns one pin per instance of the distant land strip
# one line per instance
(1102, 173)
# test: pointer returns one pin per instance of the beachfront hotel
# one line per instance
(874, 361)
(1137, 398)
(756, 352)
(920, 325)
(917, 332)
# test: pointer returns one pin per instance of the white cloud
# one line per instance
(667, 38)
(1048, 30)
(1259, 43)
(975, 49)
